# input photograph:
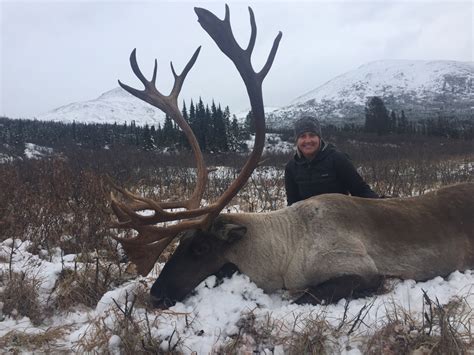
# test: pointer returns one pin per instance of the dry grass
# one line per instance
(15, 342)
(20, 297)
(253, 336)
(308, 334)
(120, 330)
(444, 329)
(86, 284)
(311, 335)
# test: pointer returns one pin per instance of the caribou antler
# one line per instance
(146, 247)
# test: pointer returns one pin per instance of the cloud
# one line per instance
(54, 53)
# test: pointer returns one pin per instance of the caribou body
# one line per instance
(332, 245)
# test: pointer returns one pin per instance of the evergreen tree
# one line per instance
(201, 125)
(234, 135)
(393, 122)
(376, 116)
(159, 137)
(184, 112)
(403, 123)
(192, 116)
(218, 129)
(74, 137)
(207, 129)
(249, 125)
(227, 118)
(168, 132)
(147, 139)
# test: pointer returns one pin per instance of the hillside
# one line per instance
(423, 89)
(115, 105)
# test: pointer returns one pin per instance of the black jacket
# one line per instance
(329, 172)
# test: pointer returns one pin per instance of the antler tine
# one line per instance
(179, 79)
(139, 203)
(150, 94)
(221, 32)
(152, 234)
(135, 219)
(253, 33)
(145, 249)
(168, 104)
(263, 73)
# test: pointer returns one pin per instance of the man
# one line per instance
(318, 168)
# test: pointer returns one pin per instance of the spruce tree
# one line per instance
(249, 125)
(147, 140)
(393, 122)
(234, 135)
(201, 125)
(403, 123)
(377, 119)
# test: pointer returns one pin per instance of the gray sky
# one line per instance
(57, 52)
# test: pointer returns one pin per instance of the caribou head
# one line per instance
(201, 240)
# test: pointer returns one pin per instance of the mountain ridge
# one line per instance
(421, 88)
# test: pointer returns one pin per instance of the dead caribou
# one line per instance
(332, 245)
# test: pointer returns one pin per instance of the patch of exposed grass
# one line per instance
(20, 297)
(119, 330)
(16, 342)
(311, 336)
(444, 329)
(253, 336)
(86, 285)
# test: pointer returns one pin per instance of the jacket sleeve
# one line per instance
(291, 187)
(351, 179)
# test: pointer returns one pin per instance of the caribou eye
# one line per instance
(201, 249)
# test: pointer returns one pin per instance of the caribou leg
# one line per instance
(347, 286)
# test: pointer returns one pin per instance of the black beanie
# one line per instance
(307, 124)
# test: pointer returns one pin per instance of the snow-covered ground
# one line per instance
(215, 316)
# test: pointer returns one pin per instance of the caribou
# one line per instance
(322, 249)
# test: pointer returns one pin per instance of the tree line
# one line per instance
(379, 120)
(214, 128)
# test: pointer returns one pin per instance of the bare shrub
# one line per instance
(311, 335)
(308, 334)
(16, 342)
(86, 284)
(53, 205)
(253, 336)
(265, 191)
(119, 329)
(443, 330)
(19, 296)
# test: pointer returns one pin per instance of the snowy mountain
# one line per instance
(115, 105)
(423, 89)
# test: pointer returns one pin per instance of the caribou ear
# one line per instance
(230, 232)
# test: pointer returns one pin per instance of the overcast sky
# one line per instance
(57, 52)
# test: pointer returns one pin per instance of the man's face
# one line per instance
(308, 143)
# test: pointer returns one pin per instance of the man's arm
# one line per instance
(351, 179)
(291, 188)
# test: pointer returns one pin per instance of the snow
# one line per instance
(114, 106)
(423, 89)
(33, 151)
(209, 318)
(386, 77)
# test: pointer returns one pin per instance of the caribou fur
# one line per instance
(331, 244)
